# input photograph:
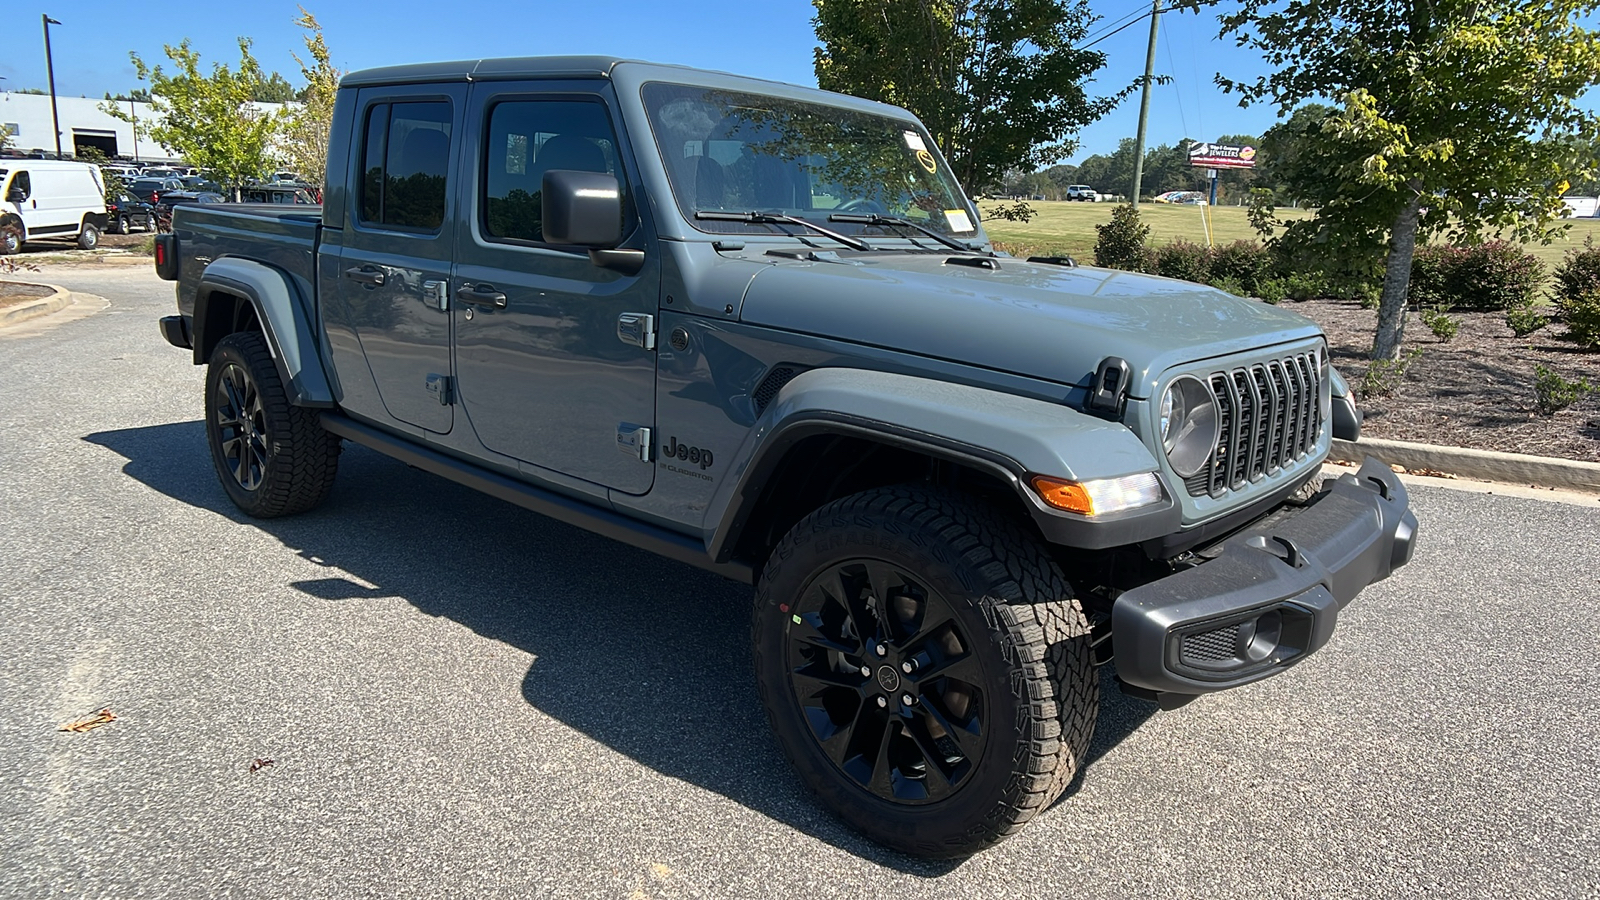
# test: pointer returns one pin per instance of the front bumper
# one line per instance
(1270, 597)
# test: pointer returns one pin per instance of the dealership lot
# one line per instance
(459, 698)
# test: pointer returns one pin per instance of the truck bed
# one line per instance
(284, 237)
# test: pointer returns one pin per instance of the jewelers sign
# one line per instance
(1221, 156)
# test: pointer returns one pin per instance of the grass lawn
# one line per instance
(1062, 226)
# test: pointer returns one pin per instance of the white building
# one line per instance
(84, 124)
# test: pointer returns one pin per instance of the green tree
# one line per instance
(274, 89)
(305, 129)
(208, 120)
(1447, 110)
(999, 83)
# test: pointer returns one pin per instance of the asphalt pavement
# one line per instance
(460, 698)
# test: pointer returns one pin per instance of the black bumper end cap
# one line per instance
(176, 330)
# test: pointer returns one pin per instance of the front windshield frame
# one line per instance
(911, 180)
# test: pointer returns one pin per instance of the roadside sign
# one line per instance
(1222, 156)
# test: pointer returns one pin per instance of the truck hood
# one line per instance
(1038, 321)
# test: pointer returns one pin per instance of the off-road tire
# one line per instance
(1030, 637)
(88, 236)
(298, 460)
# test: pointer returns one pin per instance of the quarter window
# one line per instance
(405, 165)
(525, 140)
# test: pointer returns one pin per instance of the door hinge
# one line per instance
(443, 388)
(634, 440)
(436, 294)
(638, 329)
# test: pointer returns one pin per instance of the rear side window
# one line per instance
(528, 138)
(405, 165)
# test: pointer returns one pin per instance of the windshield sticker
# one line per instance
(914, 141)
(926, 158)
(957, 220)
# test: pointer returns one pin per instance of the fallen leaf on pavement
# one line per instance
(89, 722)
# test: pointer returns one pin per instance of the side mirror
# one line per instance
(16, 195)
(583, 209)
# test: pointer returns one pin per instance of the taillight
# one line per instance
(161, 254)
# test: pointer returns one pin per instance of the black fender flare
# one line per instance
(282, 313)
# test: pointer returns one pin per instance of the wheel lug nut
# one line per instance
(908, 700)
(865, 671)
(881, 650)
(882, 702)
(907, 667)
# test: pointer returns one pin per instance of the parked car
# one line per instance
(200, 183)
(163, 172)
(125, 211)
(957, 480)
(284, 194)
(174, 199)
(51, 199)
(1082, 192)
(148, 187)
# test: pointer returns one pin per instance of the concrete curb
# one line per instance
(1487, 465)
(35, 308)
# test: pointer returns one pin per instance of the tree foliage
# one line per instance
(304, 143)
(209, 119)
(999, 83)
(1456, 116)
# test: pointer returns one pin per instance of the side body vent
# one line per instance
(777, 377)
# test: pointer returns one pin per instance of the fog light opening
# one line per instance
(1262, 642)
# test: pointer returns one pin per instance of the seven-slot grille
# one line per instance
(1270, 415)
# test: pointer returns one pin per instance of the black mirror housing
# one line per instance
(582, 209)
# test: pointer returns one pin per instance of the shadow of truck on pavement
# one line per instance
(648, 656)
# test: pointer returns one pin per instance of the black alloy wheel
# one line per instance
(925, 666)
(883, 672)
(272, 457)
(241, 426)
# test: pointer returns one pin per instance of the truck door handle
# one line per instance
(365, 275)
(481, 295)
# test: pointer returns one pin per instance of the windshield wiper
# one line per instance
(766, 218)
(875, 219)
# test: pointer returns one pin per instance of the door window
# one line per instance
(527, 138)
(405, 165)
(20, 184)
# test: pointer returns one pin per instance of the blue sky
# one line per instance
(765, 38)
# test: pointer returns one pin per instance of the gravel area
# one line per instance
(1475, 390)
(13, 293)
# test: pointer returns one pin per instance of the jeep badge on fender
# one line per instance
(695, 455)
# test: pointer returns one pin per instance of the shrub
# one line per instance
(1384, 375)
(1271, 290)
(1183, 260)
(1552, 393)
(1492, 275)
(1120, 244)
(1304, 286)
(1443, 326)
(1230, 285)
(1577, 294)
(147, 247)
(1245, 262)
(1524, 320)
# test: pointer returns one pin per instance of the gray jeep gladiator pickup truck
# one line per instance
(759, 329)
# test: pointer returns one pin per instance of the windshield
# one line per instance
(733, 152)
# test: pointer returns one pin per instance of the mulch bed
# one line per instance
(13, 293)
(1475, 390)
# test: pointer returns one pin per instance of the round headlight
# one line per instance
(1188, 424)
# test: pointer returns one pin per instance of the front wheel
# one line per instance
(925, 667)
(273, 458)
(88, 237)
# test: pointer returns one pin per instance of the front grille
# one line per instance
(1211, 646)
(1270, 416)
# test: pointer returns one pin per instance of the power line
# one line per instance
(1122, 20)
(1142, 16)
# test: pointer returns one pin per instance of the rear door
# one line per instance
(544, 375)
(395, 264)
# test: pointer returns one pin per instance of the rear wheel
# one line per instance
(122, 225)
(926, 668)
(273, 458)
(88, 237)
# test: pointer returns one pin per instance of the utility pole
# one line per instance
(134, 114)
(1144, 102)
(50, 67)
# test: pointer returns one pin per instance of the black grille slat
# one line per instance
(1269, 417)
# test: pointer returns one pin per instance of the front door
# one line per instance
(543, 374)
(395, 263)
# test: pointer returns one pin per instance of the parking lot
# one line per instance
(443, 695)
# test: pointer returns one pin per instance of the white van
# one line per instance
(46, 198)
